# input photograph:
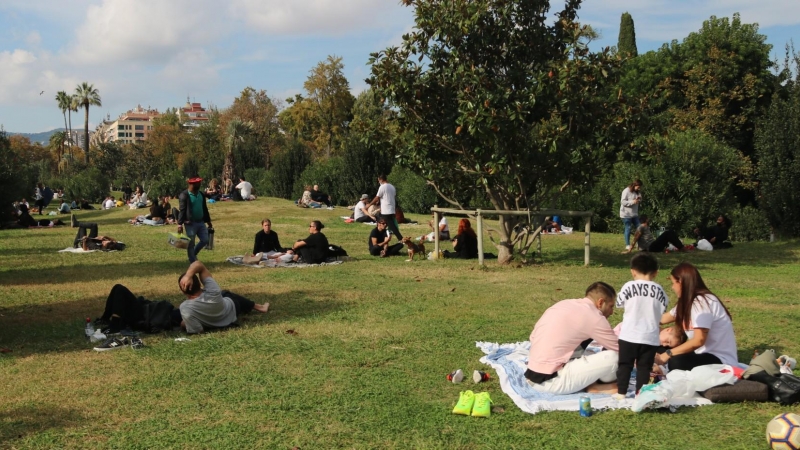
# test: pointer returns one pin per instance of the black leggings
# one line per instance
(82, 227)
(122, 304)
(364, 219)
(243, 305)
(644, 355)
(667, 237)
(391, 222)
(689, 361)
(375, 250)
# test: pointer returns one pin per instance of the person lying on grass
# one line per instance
(206, 306)
(565, 327)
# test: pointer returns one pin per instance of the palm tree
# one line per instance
(57, 146)
(237, 129)
(64, 104)
(73, 107)
(85, 95)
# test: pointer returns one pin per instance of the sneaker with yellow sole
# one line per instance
(465, 402)
(482, 406)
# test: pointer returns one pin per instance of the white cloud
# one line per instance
(318, 17)
(18, 67)
(33, 39)
(144, 31)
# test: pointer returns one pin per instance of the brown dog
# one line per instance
(414, 248)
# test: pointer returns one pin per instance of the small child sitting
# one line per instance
(644, 302)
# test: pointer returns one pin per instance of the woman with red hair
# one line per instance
(465, 243)
(703, 319)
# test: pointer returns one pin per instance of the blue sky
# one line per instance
(157, 52)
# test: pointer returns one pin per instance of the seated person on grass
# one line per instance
(716, 235)
(321, 197)
(156, 217)
(565, 327)
(360, 212)
(245, 189)
(644, 238)
(380, 239)
(63, 208)
(206, 306)
(314, 248)
(170, 212)
(465, 244)
(306, 201)
(443, 227)
(268, 244)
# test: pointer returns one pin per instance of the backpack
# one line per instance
(334, 251)
(156, 316)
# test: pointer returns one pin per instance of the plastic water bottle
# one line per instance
(89, 328)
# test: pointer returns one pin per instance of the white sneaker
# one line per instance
(618, 397)
(627, 247)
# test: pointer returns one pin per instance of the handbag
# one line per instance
(784, 389)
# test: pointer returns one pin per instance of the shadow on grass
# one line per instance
(58, 327)
(742, 254)
(19, 422)
(101, 267)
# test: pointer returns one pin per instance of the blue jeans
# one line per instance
(196, 229)
(632, 221)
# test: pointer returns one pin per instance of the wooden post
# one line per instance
(479, 219)
(586, 244)
(435, 233)
(539, 245)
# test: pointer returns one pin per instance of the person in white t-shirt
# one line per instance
(386, 195)
(109, 203)
(703, 318)
(246, 189)
(444, 230)
(644, 302)
(361, 213)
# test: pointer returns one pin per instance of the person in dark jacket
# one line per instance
(193, 215)
(314, 248)
(717, 234)
(465, 243)
(268, 244)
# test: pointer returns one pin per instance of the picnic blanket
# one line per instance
(272, 263)
(75, 250)
(510, 362)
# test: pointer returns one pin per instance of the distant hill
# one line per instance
(42, 138)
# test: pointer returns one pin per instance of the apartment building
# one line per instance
(131, 126)
(192, 114)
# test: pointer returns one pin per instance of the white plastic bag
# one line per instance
(704, 245)
(708, 376)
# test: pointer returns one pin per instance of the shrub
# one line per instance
(363, 162)
(749, 224)
(287, 165)
(90, 184)
(261, 180)
(414, 195)
(328, 174)
(170, 183)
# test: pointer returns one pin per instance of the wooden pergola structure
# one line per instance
(478, 215)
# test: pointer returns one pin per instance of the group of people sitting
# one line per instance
(161, 213)
(701, 333)
(310, 250)
(465, 243)
(227, 191)
(716, 235)
(314, 198)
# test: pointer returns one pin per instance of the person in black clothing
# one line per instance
(465, 243)
(314, 248)
(25, 220)
(379, 239)
(90, 240)
(647, 243)
(320, 197)
(268, 244)
(717, 235)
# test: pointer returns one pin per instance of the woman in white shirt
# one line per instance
(703, 318)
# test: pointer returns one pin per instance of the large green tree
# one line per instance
(330, 101)
(237, 129)
(626, 43)
(256, 107)
(86, 95)
(496, 94)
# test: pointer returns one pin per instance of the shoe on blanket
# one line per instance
(618, 397)
(483, 405)
(465, 402)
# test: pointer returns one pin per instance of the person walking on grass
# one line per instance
(387, 196)
(193, 216)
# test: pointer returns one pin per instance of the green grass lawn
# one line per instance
(373, 340)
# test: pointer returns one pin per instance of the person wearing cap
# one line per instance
(360, 212)
(193, 215)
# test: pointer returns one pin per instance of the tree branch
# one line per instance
(448, 200)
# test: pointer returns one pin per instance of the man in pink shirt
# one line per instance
(563, 328)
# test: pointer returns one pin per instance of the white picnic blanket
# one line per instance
(272, 263)
(510, 362)
(75, 250)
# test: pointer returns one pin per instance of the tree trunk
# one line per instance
(86, 137)
(505, 251)
(228, 168)
(69, 112)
